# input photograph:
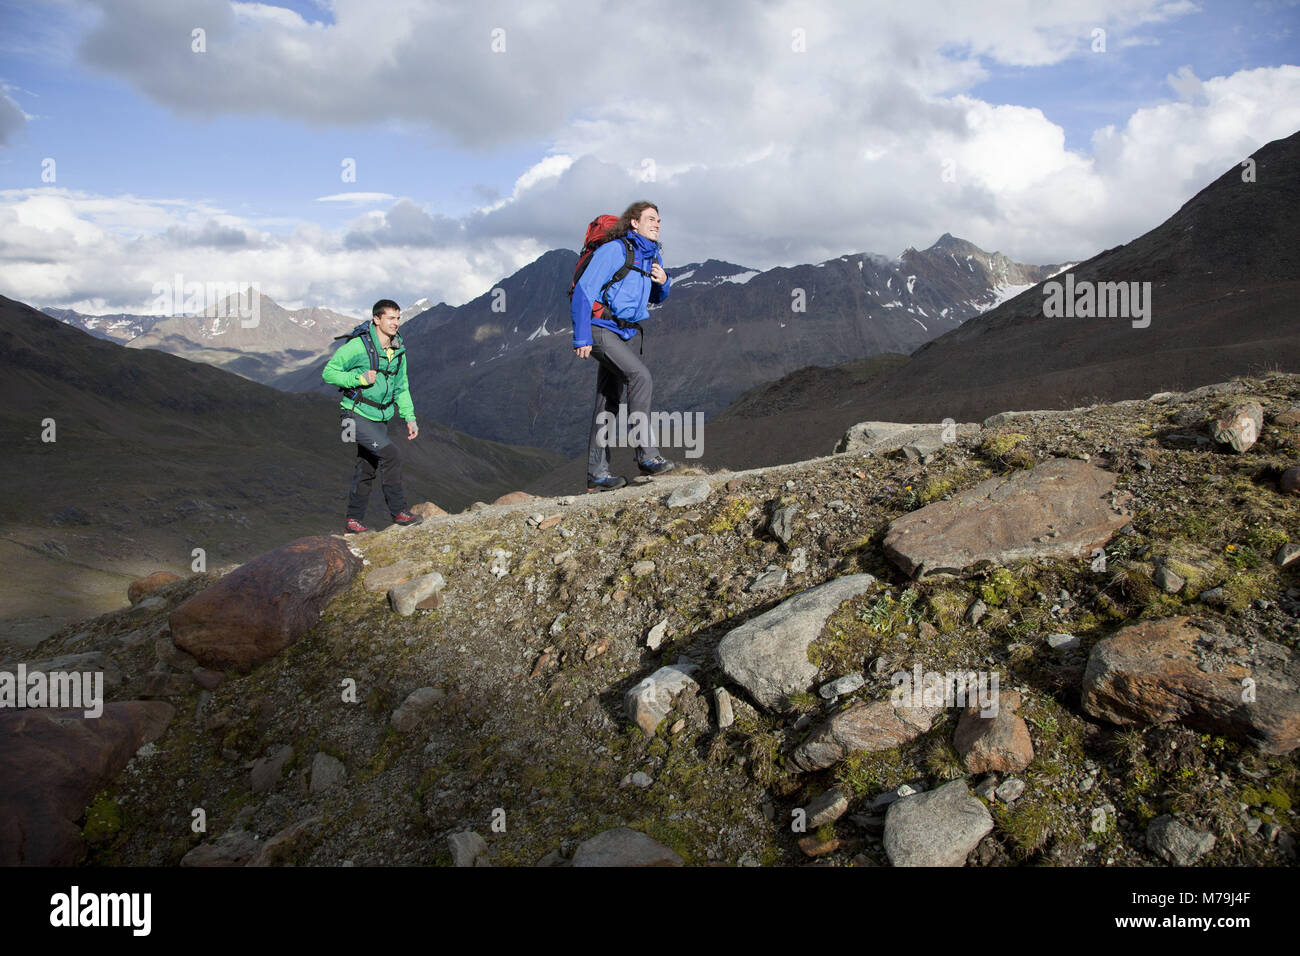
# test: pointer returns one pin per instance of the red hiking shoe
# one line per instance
(354, 527)
(406, 518)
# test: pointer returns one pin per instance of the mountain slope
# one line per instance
(512, 695)
(1225, 278)
(154, 455)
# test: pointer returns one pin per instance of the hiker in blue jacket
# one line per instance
(604, 336)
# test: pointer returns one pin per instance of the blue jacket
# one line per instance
(628, 298)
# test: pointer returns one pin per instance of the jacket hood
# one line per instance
(647, 246)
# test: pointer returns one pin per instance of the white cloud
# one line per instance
(759, 154)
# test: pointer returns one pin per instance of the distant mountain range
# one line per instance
(120, 327)
(1225, 279)
(281, 341)
(502, 366)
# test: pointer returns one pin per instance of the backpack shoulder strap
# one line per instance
(621, 274)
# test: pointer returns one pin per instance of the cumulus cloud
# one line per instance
(61, 247)
(768, 133)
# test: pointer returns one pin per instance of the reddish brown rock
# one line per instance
(263, 606)
(812, 845)
(550, 522)
(52, 763)
(1289, 417)
(868, 726)
(994, 741)
(1191, 671)
(141, 588)
(426, 510)
(513, 498)
(1063, 508)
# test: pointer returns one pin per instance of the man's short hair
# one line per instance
(384, 305)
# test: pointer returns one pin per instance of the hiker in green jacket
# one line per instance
(370, 369)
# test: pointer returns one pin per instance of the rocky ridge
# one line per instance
(561, 694)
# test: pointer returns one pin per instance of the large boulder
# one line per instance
(262, 607)
(1191, 671)
(768, 655)
(52, 762)
(938, 828)
(1062, 509)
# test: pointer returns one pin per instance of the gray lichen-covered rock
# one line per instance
(768, 655)
(879, 438)
(326, 772)
(623, 846)
(419, 704)
(1177, 842)
(938, 828)
(692, 493)
(405, 597)
(466, 847)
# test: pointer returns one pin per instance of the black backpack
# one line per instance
(362, 332)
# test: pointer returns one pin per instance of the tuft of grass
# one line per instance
(1005, 449)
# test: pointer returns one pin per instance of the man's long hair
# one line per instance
(633, 211)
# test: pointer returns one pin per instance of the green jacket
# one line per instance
(350, 362)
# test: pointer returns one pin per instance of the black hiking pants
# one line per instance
(376, 454)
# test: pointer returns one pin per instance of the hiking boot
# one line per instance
(607, 483)
(406, 518)
(658, 465)
(355, 527)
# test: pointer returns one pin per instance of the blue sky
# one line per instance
(471, 161)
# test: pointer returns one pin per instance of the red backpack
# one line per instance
(597, 235)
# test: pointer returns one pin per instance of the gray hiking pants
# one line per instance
(620, 367)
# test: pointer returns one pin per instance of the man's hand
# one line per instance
(368, 376)
(412, 430)
(657, 274)
(583, 352)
